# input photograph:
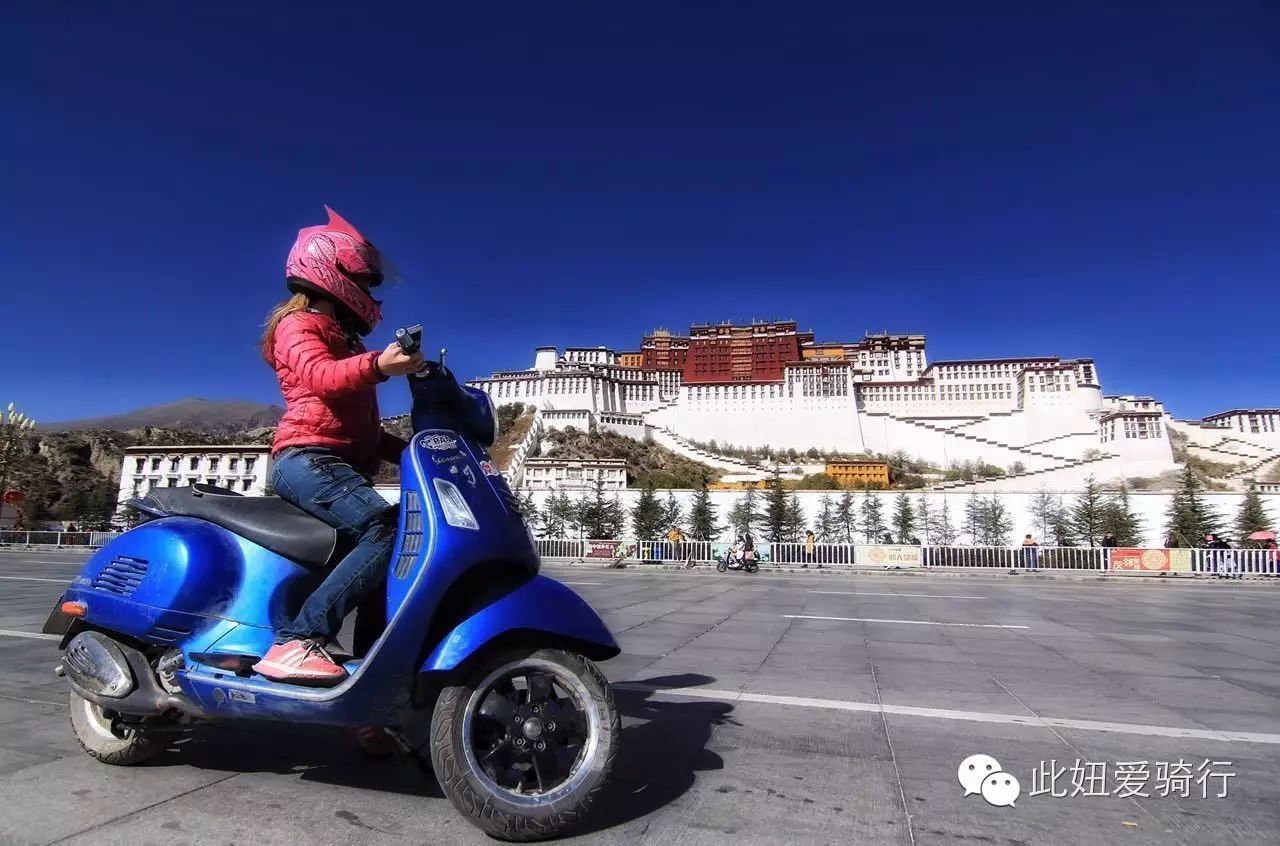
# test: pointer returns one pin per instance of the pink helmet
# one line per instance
(337, 262)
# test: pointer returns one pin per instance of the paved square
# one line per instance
(757, 709)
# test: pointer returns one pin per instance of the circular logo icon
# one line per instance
(878, 555)
(1155, 559)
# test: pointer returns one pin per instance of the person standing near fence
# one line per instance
(1108, 543)
(1030, 553)
(1225, 564)
(810, 548)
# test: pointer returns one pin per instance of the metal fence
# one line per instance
(30, 540)
(1098, 559)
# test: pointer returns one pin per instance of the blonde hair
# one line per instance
(297, 302)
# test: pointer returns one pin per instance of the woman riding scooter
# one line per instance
(329, 442)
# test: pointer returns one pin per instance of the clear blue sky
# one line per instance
(1083, 179)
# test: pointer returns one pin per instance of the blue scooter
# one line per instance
(162, 627)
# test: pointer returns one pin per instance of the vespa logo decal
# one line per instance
(448, 459)
(438, 442)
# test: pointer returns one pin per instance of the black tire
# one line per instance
(753, 567)
(101, 737)
(721, 566)
(495, 809)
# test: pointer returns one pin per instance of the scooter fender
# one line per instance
(541, 605)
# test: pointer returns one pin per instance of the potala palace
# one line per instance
(1045, 419)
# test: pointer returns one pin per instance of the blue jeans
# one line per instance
(322, 484)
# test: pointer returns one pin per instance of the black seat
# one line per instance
(268, 521)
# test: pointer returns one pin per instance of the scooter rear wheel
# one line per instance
(525, 743)
(102, 735)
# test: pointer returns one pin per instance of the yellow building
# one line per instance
(758, 484)
(857, 474)
(631, 359)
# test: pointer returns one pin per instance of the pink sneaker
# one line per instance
(300, 662)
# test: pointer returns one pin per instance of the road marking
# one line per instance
(31, 635)
(923, 595)
(582, 583)
(945, 714)
(34, 579)
(907, 622)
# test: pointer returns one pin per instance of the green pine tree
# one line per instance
(1088, 512)
(846, 518)
(945, 533)
(745, 515)
(775, 513)
(1189, 517)
(995, 522)
(972, 524)
(1253, 515)
(1119, 519)
(871, 517)
(924, 515)
(827, 527)
(795, 521)
(904, 518)
(646, 515)
(702, 516)
(672, 512)
(1044, 511)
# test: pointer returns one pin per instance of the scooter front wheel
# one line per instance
(525, 743)
(721, 566)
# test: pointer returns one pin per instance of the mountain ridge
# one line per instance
(190, 413)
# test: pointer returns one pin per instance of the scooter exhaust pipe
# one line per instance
(118, 677)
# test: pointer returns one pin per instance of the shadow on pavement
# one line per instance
(313, 753)
(663, 746)
(660, 756)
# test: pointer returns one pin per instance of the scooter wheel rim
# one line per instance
(586, 757)
(99, 722)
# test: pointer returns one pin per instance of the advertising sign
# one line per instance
(602, 548)
(1151, 560)
(888, 555)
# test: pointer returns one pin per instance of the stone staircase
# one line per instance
(981, 440)
(1253, 470)
(669, 439)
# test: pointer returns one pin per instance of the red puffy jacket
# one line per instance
(330, 392)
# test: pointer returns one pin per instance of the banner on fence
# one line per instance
(894, 555)
(1163, 560)
(602, 548)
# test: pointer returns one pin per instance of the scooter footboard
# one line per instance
(540, 606)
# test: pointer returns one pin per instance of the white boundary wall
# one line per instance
(1150, 507)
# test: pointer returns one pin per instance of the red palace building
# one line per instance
(725, 352)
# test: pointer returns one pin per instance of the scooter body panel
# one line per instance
(540, 605)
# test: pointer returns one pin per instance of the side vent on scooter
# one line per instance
(121, 576)
(411, 540)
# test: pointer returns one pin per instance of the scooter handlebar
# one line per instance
(410, 339)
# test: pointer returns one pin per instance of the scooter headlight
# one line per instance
(456, 511)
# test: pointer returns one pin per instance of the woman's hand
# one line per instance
(393, 361)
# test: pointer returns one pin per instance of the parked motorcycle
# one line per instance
(736, 558)
(163, 625)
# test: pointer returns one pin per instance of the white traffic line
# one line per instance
(945, 714)
(906, 622)
(34, 579)
(30, 635)
(921, 595)
(581, 583)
